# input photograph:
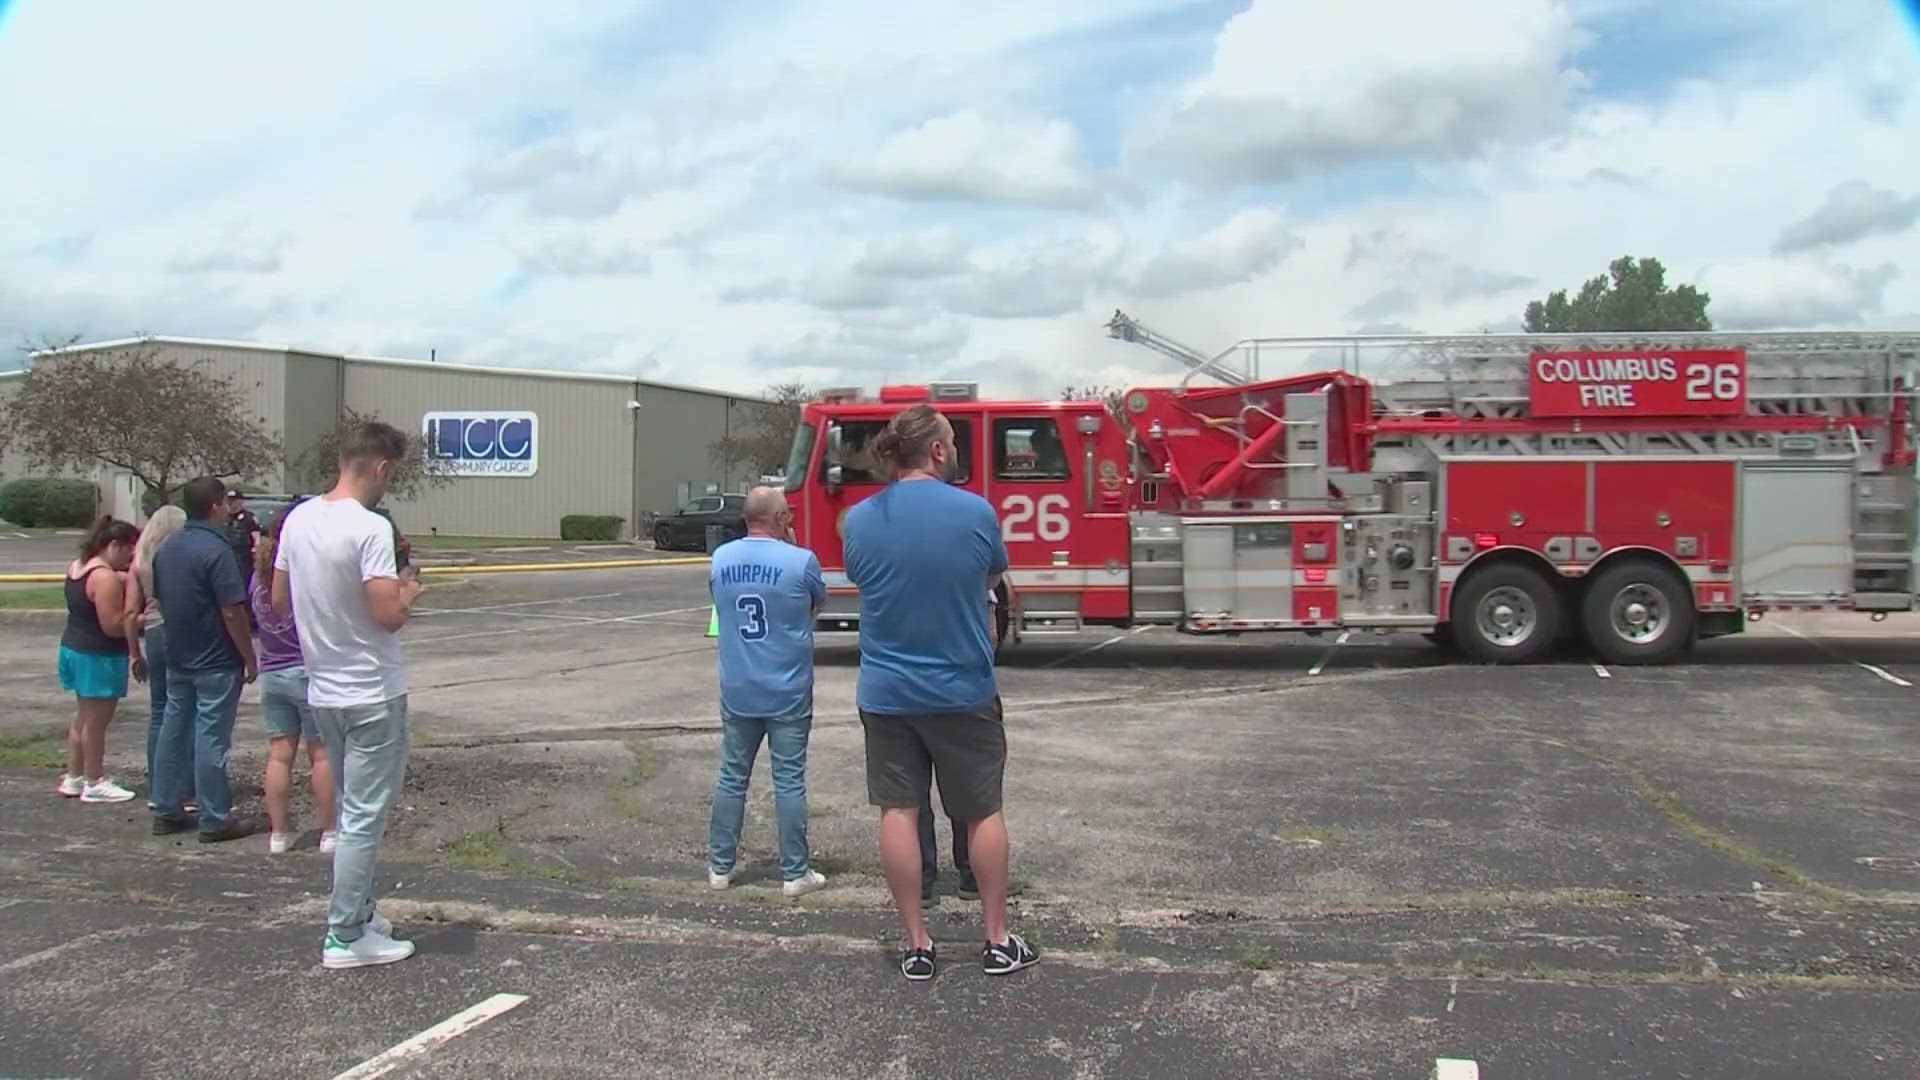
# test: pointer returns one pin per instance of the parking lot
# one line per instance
(1262, 856)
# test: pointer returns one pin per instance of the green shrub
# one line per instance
(591, 527)
(42, 502)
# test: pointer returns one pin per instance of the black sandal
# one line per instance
(917, 964)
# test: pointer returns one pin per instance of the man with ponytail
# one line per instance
(924, 555)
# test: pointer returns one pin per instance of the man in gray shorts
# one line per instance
(924, 555)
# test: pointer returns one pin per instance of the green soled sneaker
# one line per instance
(369, 949)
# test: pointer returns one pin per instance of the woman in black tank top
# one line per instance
(93, 657)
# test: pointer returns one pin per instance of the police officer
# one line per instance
(242, 530)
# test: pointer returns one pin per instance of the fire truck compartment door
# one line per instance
(1796, 530)
(1240, 570)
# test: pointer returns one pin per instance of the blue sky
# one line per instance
(748, 193)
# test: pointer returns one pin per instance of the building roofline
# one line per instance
(394, 361)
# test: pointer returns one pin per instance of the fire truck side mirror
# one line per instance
(834, 474)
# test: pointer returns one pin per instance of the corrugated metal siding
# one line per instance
(676, 427)
(258, 374)
(312, 408)
(585, 440)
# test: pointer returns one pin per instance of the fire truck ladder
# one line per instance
(1125, 328)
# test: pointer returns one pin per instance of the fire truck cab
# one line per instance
(1502, 493)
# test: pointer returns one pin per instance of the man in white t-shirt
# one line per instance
(335, 569)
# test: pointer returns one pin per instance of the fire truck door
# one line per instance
(1035, 485)
(855, 473)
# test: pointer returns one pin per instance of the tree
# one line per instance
(760, 433)
(162, 421)
(1631, 296)
(416, 474)
(1112, 395)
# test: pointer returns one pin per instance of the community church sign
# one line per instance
(483, 442)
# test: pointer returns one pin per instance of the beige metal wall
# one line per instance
(676, 427)
(311, 408)
(258, 373)
(584, 434)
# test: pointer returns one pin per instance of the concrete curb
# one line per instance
(491, 568)
(12, 615)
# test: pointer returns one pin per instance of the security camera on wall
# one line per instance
(633, 405)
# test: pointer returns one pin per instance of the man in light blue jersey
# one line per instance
(766, 592)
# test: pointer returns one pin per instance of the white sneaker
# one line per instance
(801, 886)
(328, 841)
(370, 949)
(71, 786)
(277, 843)
(104, 791)
(721, 881)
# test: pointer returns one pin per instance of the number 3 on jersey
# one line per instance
(1048, 517)
(755, 609)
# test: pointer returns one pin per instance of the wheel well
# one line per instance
(1636, 554)
(1508, 556)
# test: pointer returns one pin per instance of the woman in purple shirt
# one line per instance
(283, 703)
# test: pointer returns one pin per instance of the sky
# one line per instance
(852, 192)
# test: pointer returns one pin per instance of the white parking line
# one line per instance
(1831, 651)
(452, 1026)
(1601, 670)
(1455, 1069)
(1097, 646)
(1321, 665)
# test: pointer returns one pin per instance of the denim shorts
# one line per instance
(283, 704)
(93, 675)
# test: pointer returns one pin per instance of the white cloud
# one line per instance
(1248, 243)
(966, 157)
(1854, 210)
(847, 190)
(1299, 86)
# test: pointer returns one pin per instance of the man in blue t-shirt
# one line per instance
(924, 555)
(766, 592)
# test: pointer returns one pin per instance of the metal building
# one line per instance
(527, 446)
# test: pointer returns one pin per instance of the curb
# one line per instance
(501, 568)
(10, 615)
(537, 568)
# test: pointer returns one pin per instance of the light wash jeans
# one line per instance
(153, 645)
(367, 747)
(786, 738)
(200, 711)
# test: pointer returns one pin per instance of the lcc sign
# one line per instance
(483, 442)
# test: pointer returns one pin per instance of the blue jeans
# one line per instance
(367, 747)
(200, 710)
(153, 645)
(740, 737)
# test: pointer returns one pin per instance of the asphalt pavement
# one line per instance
(1263, 856)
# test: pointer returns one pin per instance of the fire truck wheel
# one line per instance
(1506, 614)
(1002, 618)
(1638, 613)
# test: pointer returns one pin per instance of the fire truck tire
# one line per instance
(1505, 614)
(1002, 618)
(1638, 612)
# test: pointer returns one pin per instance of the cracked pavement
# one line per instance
(1235, 863)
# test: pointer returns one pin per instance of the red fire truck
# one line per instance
(1499, 493)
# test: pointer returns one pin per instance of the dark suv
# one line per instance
(686, 528)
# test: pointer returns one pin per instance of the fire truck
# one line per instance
(1500, 493)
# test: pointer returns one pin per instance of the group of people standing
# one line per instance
(195, 608)
(926, 556)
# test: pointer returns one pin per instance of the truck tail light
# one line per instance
(1483, 541)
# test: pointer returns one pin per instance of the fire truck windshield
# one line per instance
(803, 440)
